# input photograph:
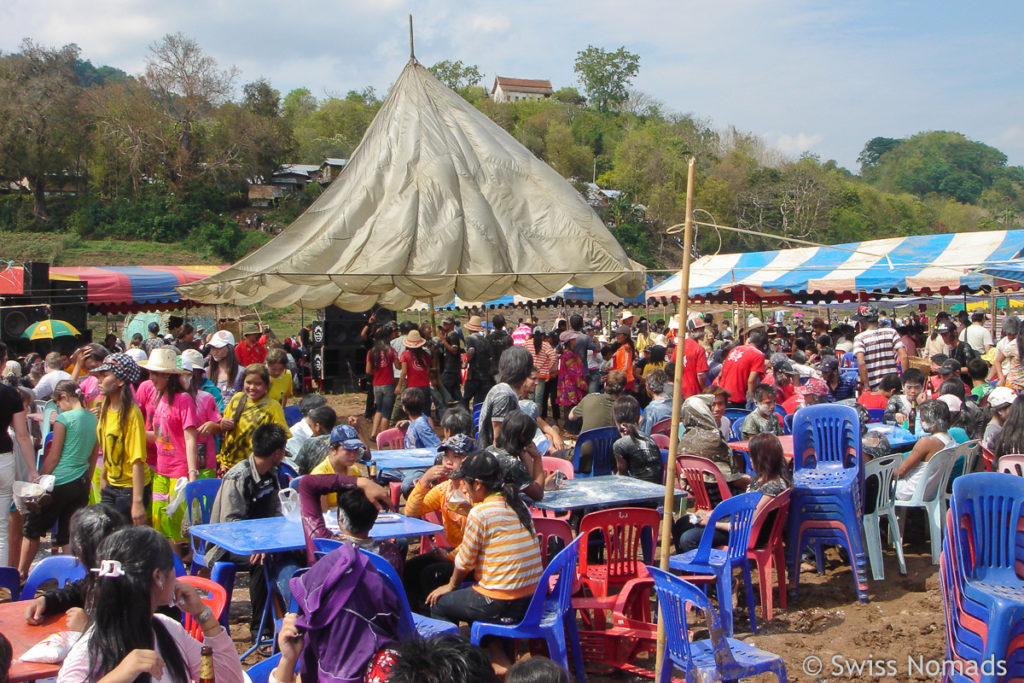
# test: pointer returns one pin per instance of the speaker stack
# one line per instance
(339, 352)
(65, 300)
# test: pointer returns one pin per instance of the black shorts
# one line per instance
(120, 497)
(64, 501)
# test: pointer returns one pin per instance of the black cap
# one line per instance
(949, 367)
(481, 465)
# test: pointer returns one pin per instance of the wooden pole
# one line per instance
(433, 322)
(993, 307)
(412, 51)
(677, 400)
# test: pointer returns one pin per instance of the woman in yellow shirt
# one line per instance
(247, 410)
(280, 376)
(121, 435)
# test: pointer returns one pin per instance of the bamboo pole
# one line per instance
(677, 400)
(433, 322)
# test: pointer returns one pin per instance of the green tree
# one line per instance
(569, 96)
(873, 151)
(606, 75)
(261, 98)
(456, 75)
(42, 133)
(298, 104)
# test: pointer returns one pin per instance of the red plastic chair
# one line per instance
(988, 460)
(630, 536)
(435, 540)
(549, 530)
(772, 552)
(619, 644)
(691, 471)
(212, 594)
(661, 440)
(662, 426)
(391, 439)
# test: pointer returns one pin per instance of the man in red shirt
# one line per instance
(695, 360)
(743, 368)
(253, 348)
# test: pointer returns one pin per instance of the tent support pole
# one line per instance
(993, 307)
(433, 322)
(677, 400)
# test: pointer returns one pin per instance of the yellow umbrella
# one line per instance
(50, 329)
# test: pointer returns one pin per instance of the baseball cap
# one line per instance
(829, 364)
(866, 312)
(567, 336)
(222, 338)
(1001, 396)
(813, 387)
(945, 327)
(481, 465)
(695, 322)
(784, 367)
(461, 444)
(122, 366)
(193, 358)
(954, 403)
(137, 355)
(949, 367)
(347, 437)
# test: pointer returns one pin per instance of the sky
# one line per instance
(821, 77)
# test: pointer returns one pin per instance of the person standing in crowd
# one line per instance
(521, 335)
(572, 372)
(977, 335)
(246, 411)
(624, 355)
(253, 348)
(381, 362)
(499, 339)
(545, 360)
(514, 369)
(415, 369)
(879, 350)
(743, 368)
(451, 361)
(12, 417)
(281, 388)
(154, 340)
(479, 376)
(207, 412)
(695, 360)
(1008, 356)
(224, 370)
(54, 373)
(186, 338)
(121, 436)
(936, 344)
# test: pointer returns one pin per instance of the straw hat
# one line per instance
(475, 324)
(163, 359)
(626, 315)
(413, 340)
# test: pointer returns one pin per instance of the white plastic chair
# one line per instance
(50, 410)
(931, 495)
(1012, 464)
(884, 470)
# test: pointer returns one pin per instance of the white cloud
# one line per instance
(795, 144)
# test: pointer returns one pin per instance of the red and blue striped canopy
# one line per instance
(117, 289)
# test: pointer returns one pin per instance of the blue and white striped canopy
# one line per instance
(568, 294)
(935, 264)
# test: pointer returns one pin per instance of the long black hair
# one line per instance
(484, 467)
(517, 432)
(380, 347)
(120, 606)
(89, 526)
(1011, 438)
(626, 414)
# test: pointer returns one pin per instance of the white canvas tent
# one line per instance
(437, 201)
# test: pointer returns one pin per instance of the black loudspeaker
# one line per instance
(69, 303)
(37, 281)
(339, 367)
(316, 335)
(14, 321)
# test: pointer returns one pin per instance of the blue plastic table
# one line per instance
(899, 438)
(604, 491)
(404, 458)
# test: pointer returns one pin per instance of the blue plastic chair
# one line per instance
(324, 546)
(718, 658)
(285, 474)
(736, 414)
(828, 484)
(260, 672)
(64, 569)
(223, 573)
(707, 560)
(737, 430)
(179, 567)
(476, 419)
(409, 624)
(601, 460)
(203, 492)
(988, 509)
(548, 616)
(294, 483)
(787, 423)
(11, 580)
(848, 361)
(292, 415)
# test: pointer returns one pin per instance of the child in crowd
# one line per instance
(303, 429)
(418, 432)
(635, 455)
(70, 458)
(314, 449)
(934, 421)
(978, 370)
(280, 376)
(879, 400)
(1000, 400)
(763, 418)
(435, 492)
(498, 548)
(902, 408)
(456, 420)
(536, 670)
(121, 436)
(345, 449)
(207, 413)
(937, 376)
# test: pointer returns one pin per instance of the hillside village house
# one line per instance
(513, 89)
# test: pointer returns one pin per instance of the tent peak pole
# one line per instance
(412, 50)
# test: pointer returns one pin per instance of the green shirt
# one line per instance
(79, 441)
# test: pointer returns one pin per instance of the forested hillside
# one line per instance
(166, 155)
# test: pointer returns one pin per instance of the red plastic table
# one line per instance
(24, 636)
(786, 441)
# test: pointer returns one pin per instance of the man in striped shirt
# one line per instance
(878, 349)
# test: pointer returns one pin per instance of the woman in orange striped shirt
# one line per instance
(498, 547)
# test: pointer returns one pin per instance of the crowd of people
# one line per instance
(134, 424)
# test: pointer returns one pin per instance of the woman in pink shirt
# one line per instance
(172, 424)
(126, 639)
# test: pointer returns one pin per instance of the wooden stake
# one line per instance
(677, 400)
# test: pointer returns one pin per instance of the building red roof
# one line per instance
(523, 85)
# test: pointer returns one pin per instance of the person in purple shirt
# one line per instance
(312, 486)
